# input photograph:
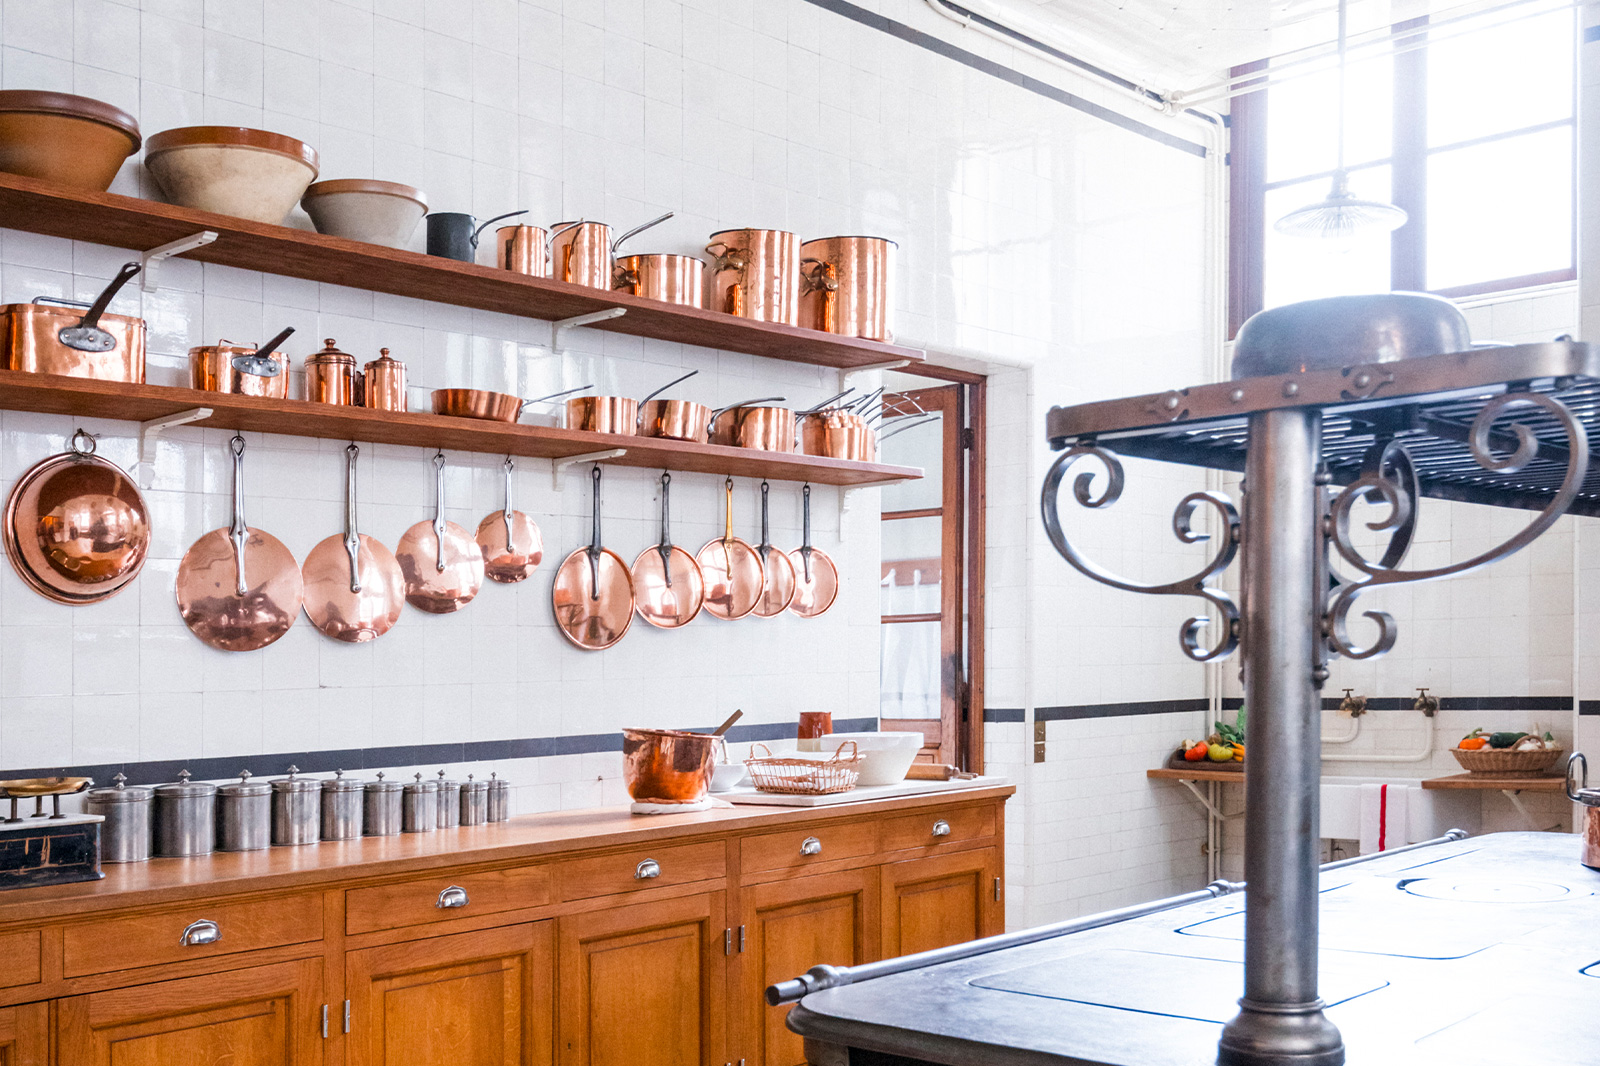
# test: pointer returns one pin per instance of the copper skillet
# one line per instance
(510, 541)
(816, 583)
(593, 592)
(732, 569)
(354, 587)
(777, 583)
(239, 589)
(490, 406)
(442, 563)
(668, 587)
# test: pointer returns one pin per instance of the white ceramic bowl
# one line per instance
(887, 756)
(232, 170)
(726, 775)
(378, 212)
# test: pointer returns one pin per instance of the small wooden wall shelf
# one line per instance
(47, 393)
(130, 222)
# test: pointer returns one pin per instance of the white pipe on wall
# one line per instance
(1417, 756)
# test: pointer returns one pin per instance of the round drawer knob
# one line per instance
(811, 846)
(941, 828)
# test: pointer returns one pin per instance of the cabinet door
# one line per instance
(25, 1035)
(941, 900)
(643, 984)
(251, 1016)
(789, 927)
(479, 999)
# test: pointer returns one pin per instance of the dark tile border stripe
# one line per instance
(1447, 703)
(1004, 714)
(156, 772)
(934, 44)
(1589, 706)
(1119, 710)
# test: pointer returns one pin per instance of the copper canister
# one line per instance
(211, 369)
(673, 279)
(847, 286)
(331, 376)
(603, 414)
(384, 384)
(756, 274)
(838, 434)
(580, 252)
(30, 340)
(524, 249)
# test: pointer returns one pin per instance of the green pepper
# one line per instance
(1504, 740)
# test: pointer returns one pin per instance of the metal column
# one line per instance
(1280, 1020)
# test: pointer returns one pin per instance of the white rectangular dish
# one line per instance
(746, 794)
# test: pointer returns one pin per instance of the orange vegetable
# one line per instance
(1238, 753)
(1473, 743)
(1196, 753)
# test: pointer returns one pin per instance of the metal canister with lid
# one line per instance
(331, 376)
(125, 836)
(449, 802)
(383, 386)
(341, 807)
(419, 806)
(474, 802)
(1579, 792)
(499, 799)
(296, 809)
(244, 814)
(185, 817)
(382, 808)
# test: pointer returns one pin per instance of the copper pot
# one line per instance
(73, 339)
(523, 249)
(580, 252)
(747, 426)
(331, 376)
(847, 286)
(666, 766)
(603, 414)
(673, 279)
(674, 419)
(490, 406)
(756, 274)
(228, 367)
(838, 434)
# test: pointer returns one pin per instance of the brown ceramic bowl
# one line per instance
(68, 139)
(232, 170)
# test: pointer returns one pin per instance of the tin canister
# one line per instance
(847, 286)
(244, 814)
(523, 249)
(185, 817)
(331, 376)
(474, 802)
(499, 799)
(383, 386)
(381, 815)
(125, 836)
(30, 339)
(580, 252)
(342, 803)
(449, 802)
(756, 274)
(419, 806)
(296, 809)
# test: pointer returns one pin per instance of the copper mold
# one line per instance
(354, 590)
(593, 591)
(847, 286)
(668, 588)
(666, 766)
(673, 279)
(732, 570)
(510, 541)
(755, 274)
(441, 562)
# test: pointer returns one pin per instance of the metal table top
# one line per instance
(1483, 951)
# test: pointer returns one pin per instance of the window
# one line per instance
(1472, 134)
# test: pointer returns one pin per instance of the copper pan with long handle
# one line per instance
(777, 583)
(487, 405)
(442, 563)
(668, 587)
(510, 541)
(239, 589)
(816, 578)
(354, 590)
(593, 592)
(732, 569)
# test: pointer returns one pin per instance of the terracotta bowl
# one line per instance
(232, 170)
(68, 139)
(378, 212)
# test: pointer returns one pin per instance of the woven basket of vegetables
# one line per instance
(1507, 754)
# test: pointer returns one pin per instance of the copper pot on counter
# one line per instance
(76, 340)
(665, 766)
(673, 279)
(756, 274)
(748, 425)
(240, 369)
(847, 286)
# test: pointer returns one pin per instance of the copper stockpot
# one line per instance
(673, 279)
(216, 368)
(523, 249)
(383, 385)
(747, 426)
(847, 286)
(838, 434)
(580, 252)
(331, 376)
(666, 766)
(756, 274)
(73, 339)
(674, 419)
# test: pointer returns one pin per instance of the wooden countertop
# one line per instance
(1496, 782)
(530, 836)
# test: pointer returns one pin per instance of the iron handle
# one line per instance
(347, 1015)
(941, 828)
(453, 897)
(204, 931)
(646, 870)
(811, 846)
(324, 1021)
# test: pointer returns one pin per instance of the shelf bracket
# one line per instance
(150, 432)
(845, 374)
(561, 325)
(150, 276)
(558, 467)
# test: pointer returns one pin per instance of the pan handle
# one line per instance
(238, 532)
(91, 317)
(765, 547)
(553, 396)
(593, 551)
(352, 539)
(805, 543)
(639, 229)
(748, 403)
(492, 221)
(1577, 759)
(505, 514)
(830, 401)
(438, 510)
(665, 547)
(668, 385)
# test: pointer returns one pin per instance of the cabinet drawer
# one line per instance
(922, 830)
(440, 897)
(198, 931)
(20, 952)
(642, 868)
(807, 846)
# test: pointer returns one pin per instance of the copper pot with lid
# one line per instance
(756, 274)
(847, 286)
(75, 339)
(243, 370)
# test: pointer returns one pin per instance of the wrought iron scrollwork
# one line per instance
(1182, 527)
(1389, 479)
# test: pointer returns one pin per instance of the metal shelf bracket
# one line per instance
(849, 373)
(558, 467)
(150, 432)
(150, 275)
(561, 325)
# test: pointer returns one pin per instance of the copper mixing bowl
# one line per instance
(666, 766)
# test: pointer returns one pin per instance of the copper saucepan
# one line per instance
(816, 578)
(665, 767)
(847, 286)
(748, 425)
(354, 590)
(673, 279)
(674, 419)
(612, 414)
(593, 593)
(242, 370)
(733, 573)
(489, 406)
(510, 541)
(668, 587)
(777, 582)
(75, 339)
(442, 563)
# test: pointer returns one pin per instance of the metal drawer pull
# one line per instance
(452, 897)
(647, 869)
(941, 828)
(205, 931)
(811, 846)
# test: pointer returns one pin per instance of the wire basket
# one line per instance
(1506, 763)
(805, 777)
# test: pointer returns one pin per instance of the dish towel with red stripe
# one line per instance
(1384, 820)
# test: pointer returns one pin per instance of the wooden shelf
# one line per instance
(129, 222)
(1167, 773)
(1494, 782)
(46, 393)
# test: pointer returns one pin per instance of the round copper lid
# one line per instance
(329, 354)
(849, 237)
(39, 102)
(238, 136)
(384, 359)
(369, 185)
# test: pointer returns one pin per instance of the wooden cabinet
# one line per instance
(468, 999)
(789, 927)
(253, 1016)
(25, 1035)
(941, 900)
(643, 983)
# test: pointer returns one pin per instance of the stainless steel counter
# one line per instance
(1483, 951)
